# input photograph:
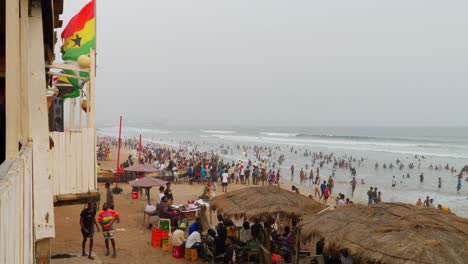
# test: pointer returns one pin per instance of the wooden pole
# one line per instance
(12, 82)
(24, 17)
(81, 110)
(268, 241)
(118, 154)
(72, 113)
(298, 245)
(91, 105)
(39, 129)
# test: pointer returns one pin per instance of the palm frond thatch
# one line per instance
(391, 233)
(252, 202)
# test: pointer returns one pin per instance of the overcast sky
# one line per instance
(281, 63)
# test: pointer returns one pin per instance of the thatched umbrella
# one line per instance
(391, 233)
(252, 202)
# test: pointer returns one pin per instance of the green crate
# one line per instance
(165, 224)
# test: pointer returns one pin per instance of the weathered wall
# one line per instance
(16, 226)
(72, 162)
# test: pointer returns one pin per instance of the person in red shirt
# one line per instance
(106, 219)
(326, 194)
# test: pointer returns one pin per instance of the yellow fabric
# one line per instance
(98, 169)
(86, 35)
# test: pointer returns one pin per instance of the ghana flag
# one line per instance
(78, 37)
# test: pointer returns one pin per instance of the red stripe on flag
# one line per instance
(78, 22)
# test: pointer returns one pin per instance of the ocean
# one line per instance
(438, 145)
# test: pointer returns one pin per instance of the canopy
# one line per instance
(391, 233)
(147, 182)
(252, 202)
(140, 168)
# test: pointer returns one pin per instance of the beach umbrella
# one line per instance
(147, 182)
(390, 233)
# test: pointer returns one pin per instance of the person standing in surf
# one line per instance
(353, 186)
(292, 172)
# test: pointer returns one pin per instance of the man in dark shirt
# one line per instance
(370, 195)
(168, 192)
(256, 230)
(87, 222)
(247, 175)
(109, 196)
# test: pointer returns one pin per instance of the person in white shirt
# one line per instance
(175, 174)
(194, 242)
(245, 233)
(225, 181)
(341, 200)
(161, 193)
(156, 164)
(161, 169)
(178, 237)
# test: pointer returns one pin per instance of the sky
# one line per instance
(211, 63)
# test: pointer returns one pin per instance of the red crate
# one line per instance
(156, 243)
(178, 252)
(164, 234)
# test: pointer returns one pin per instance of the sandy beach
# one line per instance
(132, 238)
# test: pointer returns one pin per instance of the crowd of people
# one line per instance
(213, 168)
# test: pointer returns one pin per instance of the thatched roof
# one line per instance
(252, 202)
(391, 233)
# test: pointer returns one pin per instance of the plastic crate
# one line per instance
(191, 254)
(156, 243)
(164, 234)
(165, 244)
(178, 252)
(165, 224)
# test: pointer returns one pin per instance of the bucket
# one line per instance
(135, 195)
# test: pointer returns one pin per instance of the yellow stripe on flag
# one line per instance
(79, 38)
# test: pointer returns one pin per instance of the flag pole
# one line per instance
(118, 154)
(95, 24)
